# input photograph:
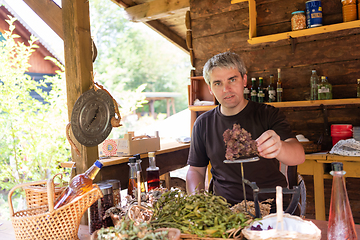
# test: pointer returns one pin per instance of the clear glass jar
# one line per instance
(324, 89)
(97, 210)
(116, 185)
(298, 20)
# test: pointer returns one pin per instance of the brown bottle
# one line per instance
(279, 89)
(79, 185)
(153, 173)
(132, 176)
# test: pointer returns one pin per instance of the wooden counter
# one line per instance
(170, 157)
(7, 231)
(315, 165)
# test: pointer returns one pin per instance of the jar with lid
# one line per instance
(324, 89)
(349, 10)
(116, 185)
(97, 210)
(298, 20)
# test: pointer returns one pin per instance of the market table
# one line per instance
(7, 232)
(315, 165)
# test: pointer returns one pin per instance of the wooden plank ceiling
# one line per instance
(166, 17)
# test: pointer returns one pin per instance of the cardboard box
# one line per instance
(129, 145)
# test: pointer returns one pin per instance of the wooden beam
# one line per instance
(50, 13)
(155, 9)
(164, 31)
(78, 65)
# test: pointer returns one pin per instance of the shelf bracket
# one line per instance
(293, 44)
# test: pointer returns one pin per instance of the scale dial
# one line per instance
(91, 117)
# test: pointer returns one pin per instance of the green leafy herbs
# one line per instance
(202, 214)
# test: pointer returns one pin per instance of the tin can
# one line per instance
(313, 13)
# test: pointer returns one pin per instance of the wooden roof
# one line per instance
(166, 17)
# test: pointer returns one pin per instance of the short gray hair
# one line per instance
(223, 60)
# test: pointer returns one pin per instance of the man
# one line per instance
(226, 77)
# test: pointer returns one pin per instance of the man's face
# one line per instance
(227, 86)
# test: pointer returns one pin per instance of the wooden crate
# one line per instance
(130, 145)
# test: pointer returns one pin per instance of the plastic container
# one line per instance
(349, 10)
(341, 132)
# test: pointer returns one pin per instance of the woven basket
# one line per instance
(36, 196)
(284, 226)
(44, 222)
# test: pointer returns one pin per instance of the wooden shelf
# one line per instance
(305, 32)
(253, 39)
(314, 103)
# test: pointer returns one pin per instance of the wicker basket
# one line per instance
(36, 196)
(284, 226)
(44, 222)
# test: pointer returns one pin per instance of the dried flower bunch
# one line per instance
(239, 143)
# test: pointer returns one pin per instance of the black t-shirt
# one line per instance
(207, 144)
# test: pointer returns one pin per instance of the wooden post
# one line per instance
(78, 67)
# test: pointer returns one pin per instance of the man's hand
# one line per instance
(290, 151)
(269, 144)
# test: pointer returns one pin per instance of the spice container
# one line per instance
(97, 210)
(349, 10)
(116, 185)
(298, 20)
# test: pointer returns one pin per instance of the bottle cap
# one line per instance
(151, 154)
(132, 159)
(336, 166)
(260, 78)
(137, 156)
(98, 164)
(314, 71)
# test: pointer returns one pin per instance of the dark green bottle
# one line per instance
(253, 92)
(261, 91)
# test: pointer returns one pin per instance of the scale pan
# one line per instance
(243, 160)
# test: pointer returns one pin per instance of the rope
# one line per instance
(115, 121)
(70, 141)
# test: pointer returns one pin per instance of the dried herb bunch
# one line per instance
(239, 143)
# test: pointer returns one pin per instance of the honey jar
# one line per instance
(298, 20)
(349, 10)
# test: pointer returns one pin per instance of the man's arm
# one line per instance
(290, 151)
(195, 179)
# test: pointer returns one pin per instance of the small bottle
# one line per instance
(253, 92)
(279, 89)
(246, 93)
(314, 81)
(271, 89)
(324, 89)
(79, 185)
(341, 223)
(261, 93)
(358, 89)
(153, 173)
(142, 182)
(132, 176)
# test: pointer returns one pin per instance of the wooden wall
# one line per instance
(219, 26)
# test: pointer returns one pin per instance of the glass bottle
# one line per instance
(253, 92)
(358, 89)
(142, 182)
(79, 185)
(261, 93)
(341, 223)
(153, 173)
(132, 185)
(246, 92)
(324, 89)
(271, 89)
(314, 81)
(279, 89)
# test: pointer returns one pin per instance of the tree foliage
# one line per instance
(32, 135)
(130, 56)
